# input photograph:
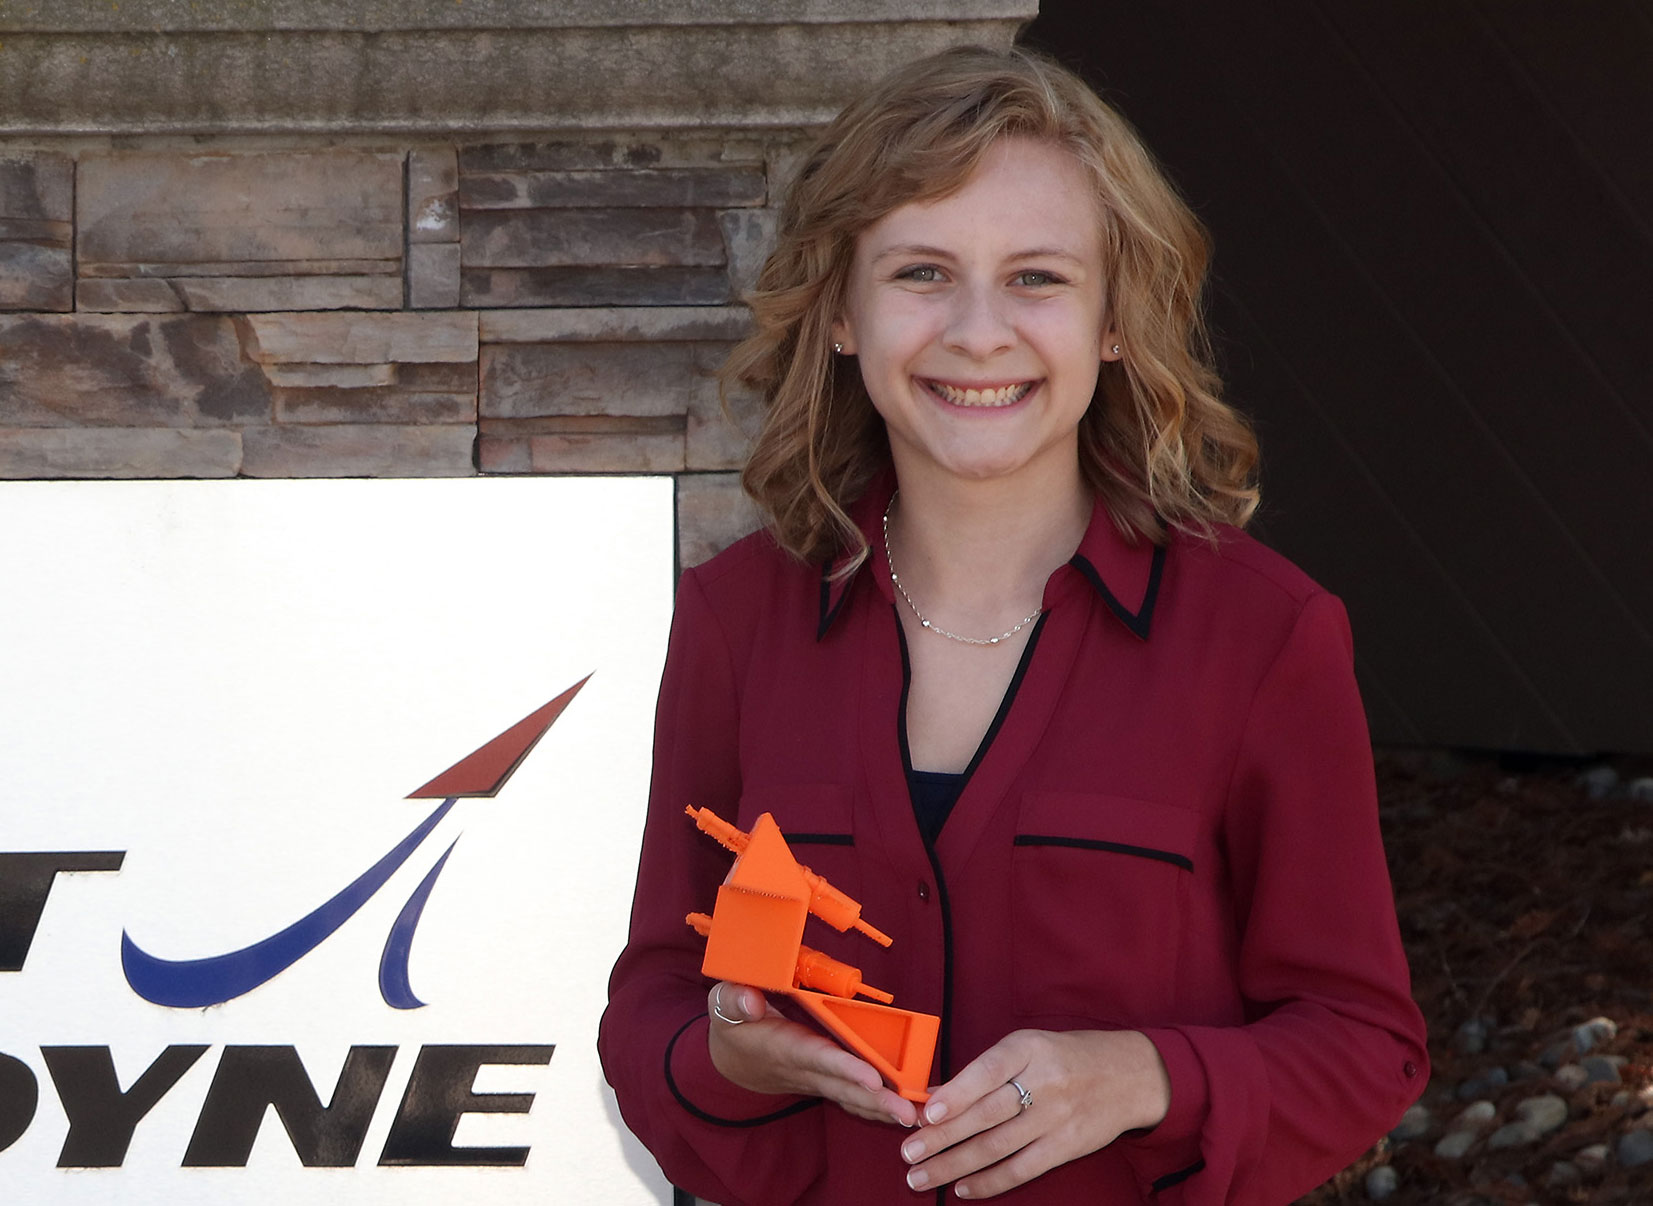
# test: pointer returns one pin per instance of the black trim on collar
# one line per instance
(829, 608)
(1137, 621)
(796, 1107)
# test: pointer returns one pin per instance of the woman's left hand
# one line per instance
(1087, 1088)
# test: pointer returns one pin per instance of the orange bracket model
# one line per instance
(755, 936)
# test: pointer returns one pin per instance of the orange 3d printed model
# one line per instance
(755, 936)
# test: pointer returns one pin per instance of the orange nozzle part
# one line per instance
(823, 973)
(723, 831)
(755, 936)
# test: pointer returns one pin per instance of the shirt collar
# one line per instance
(1125, 576)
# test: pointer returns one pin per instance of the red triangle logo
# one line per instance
(482, 773)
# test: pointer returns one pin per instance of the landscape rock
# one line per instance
(1571, 1077)
(1471, 1037)
(1477, 1117)
(1544, 1114)
(1599, 782)
(1635, 1148)
(1563, 1174)
(1587, 1036)
(1512, 1134)
(1600, 1070)
(1414, 1124)
(1592, 1159)
(1381, 1183)
(1454, 1145)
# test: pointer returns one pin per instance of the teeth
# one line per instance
(1006, 396)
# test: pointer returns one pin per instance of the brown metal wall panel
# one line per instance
(1452, 402)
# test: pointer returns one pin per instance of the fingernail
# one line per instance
(934, 1112)
(917, 1179)
(912, 1151)
(962, 1191)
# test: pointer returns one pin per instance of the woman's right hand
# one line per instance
(767, 1053)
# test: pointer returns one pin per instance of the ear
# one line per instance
(841, 336)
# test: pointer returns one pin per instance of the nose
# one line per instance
(978, 325)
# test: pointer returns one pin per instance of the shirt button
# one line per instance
(1410, 1069)
(923, 890)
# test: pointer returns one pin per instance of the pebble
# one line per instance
(1601, 1070)
(1599, 781)
(1636, 1148)
(1414, 1124)
(1557, 1054)
(1571, 1077)
(1563, 1175)
(1622, 1099)
(1526, 1070)
(1476, 1117)
(1512, 1134)
(1592, 1159)
(1641, 789)
(1544, 1114)
(1471, 1037)
(1587, 1036)
(1453, 1146)
(1480, 1086)
(1381, 1182)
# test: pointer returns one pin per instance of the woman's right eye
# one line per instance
(920, 274)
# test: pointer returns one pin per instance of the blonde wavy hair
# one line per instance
(1157, 443)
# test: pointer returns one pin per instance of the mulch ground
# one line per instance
(1523, 903)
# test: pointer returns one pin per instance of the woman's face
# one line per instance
(978, 319)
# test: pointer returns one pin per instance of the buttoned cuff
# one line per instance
(1190, 1093)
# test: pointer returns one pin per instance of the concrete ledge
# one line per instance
(373, 16)
(116, 76)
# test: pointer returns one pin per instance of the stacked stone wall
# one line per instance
(386, 311)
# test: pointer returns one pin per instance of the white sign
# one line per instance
(256, 972)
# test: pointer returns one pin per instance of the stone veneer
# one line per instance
(335, 277)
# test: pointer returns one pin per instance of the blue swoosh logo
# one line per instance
(196, 983)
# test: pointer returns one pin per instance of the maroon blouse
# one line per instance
(1171, 826)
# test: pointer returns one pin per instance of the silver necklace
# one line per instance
(895, 581)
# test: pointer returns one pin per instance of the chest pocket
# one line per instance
(1099, 893)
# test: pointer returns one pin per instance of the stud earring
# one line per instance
(1116, 349)
(839, 348)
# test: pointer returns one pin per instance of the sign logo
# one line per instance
(197, 983)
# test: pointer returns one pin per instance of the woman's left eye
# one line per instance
(1034, 279)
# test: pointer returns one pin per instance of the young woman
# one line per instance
(1005, 670)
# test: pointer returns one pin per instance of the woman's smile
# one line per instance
(991, 396)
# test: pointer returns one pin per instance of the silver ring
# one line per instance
(717, 1008)
(1027, 1098)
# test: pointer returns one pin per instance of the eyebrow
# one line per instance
(923, 251)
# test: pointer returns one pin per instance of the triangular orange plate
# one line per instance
(899, 1043)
